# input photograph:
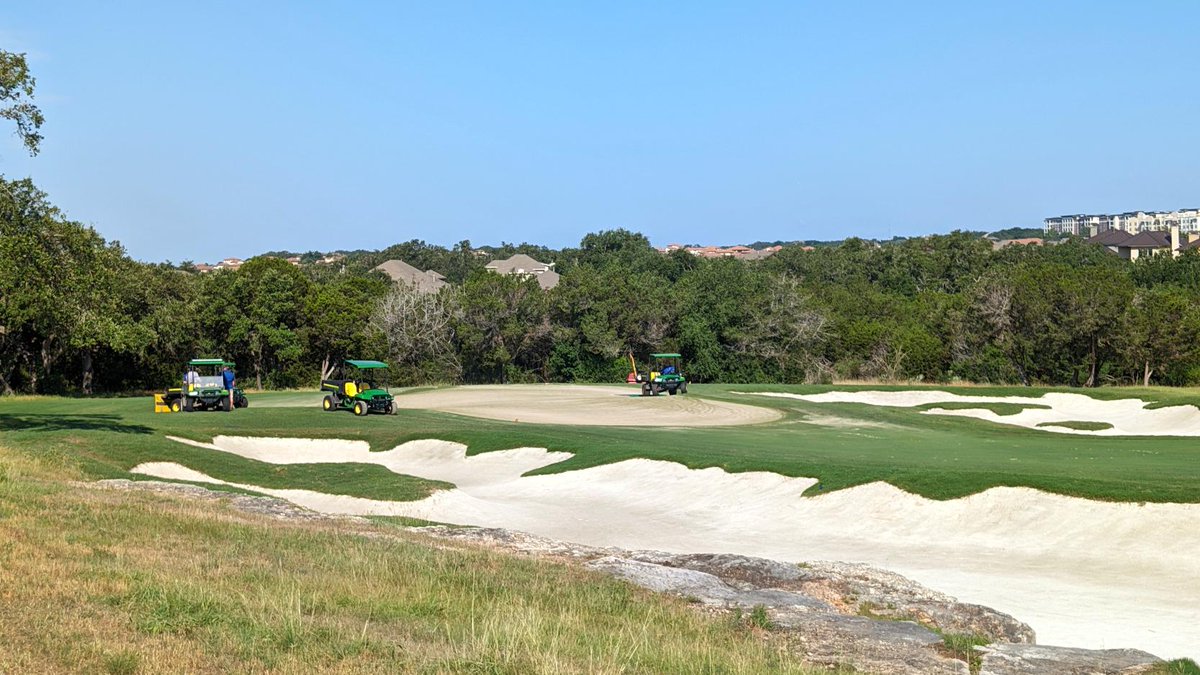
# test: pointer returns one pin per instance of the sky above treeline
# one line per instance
(195, 131)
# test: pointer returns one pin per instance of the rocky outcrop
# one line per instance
(1010, 659)
(835, 614)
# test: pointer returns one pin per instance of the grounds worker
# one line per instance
(227, 375)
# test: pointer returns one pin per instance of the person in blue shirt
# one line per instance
(229, 378)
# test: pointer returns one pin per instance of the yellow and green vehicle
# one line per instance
(361, 387)
(203, 388)
(665, 375)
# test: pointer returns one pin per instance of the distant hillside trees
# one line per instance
(77, 315)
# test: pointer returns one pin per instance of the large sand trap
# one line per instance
(1128, 417)
(1082, 573)
(578, 404)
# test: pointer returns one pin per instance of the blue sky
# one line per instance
(201, 130)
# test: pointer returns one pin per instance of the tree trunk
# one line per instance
(1094, 366)
(86, 384)
(1146, 375)
(326, 369)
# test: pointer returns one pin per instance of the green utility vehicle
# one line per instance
(665, 374)
(361, 387)
(203, 388)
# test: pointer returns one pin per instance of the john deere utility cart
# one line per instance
(665, 374)
(203, 388)
(361, 387)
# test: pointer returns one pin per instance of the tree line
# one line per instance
(78, 315)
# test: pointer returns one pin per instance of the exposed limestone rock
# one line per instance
(1012, 659)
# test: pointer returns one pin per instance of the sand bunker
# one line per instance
(589, 405)
(1082, 573)
(1128, 417)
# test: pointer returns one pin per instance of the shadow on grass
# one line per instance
(70, 423)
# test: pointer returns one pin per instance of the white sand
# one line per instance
(1128, 417)
(586, 405)
(1082, 573)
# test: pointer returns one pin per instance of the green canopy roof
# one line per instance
(366, 364)
(665, 356)
(209, 362)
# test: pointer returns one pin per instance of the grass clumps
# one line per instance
(1176, 667)
(962, 646)
(1079, 425)
(128, 582)
(1002, 409)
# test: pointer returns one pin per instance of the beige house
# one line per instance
(522, 265)
(1147, 242)
(400, 271)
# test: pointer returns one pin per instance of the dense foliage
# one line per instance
(78, 315)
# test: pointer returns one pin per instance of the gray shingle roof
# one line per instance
(400, 271)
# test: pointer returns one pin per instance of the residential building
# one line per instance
(229, 264)
(1147, 242)
(400, 271)
(1028, 241)
(523, 265)
(742, 252)
(1187, 220)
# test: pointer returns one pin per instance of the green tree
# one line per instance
(16, 99)
(502, 328)
(337, 319)
(259, 317)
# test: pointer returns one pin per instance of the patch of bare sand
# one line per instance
(1082, 573)
(584, 405)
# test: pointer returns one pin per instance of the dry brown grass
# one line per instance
(127, 582)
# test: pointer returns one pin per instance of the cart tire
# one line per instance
(225, 407)
(188, 404)
(645, 390)
(360, 408)
(671, 391)
(175, 406)
(683, 388)
(327, 403)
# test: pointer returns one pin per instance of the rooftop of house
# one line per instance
(1148, 239)
(1110, 238)
(400, 271)
(520, 264)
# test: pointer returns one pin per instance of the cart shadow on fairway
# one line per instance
(70, 423)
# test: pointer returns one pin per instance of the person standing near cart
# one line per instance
(228, 377)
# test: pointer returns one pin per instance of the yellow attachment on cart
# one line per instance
(160, 404)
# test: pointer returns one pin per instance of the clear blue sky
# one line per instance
(205, 129)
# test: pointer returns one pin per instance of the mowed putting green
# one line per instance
(839, 444)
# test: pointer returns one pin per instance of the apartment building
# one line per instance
(1133, 222)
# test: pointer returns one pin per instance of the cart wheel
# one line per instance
(188, 404)
(225, 407)
(174, 406)
(360, 408)
(327, 403)
(671, 391)
(683, 388)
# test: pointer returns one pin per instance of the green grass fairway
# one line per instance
(840, 444)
